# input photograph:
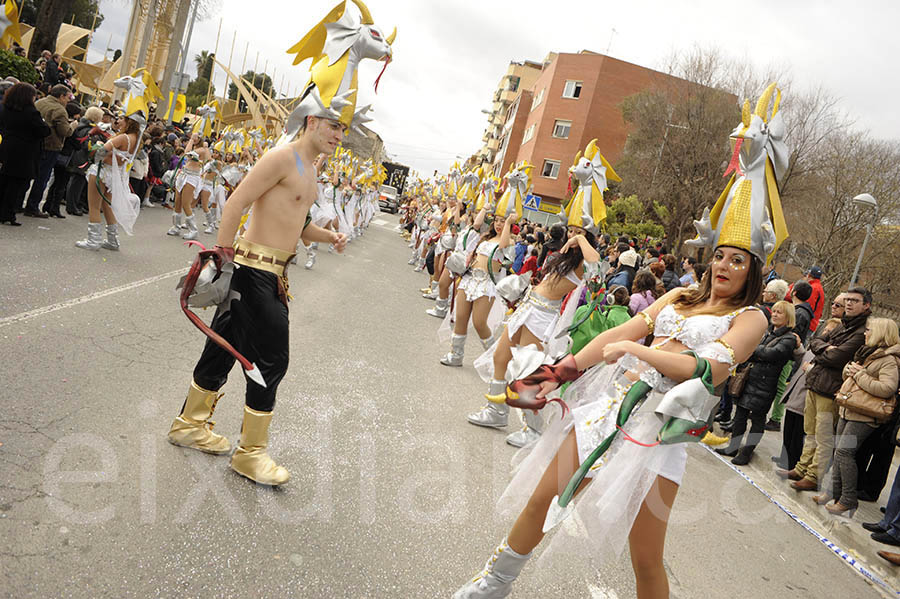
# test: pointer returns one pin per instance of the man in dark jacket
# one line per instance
(832, 351)
(804, 312)
(53, 110)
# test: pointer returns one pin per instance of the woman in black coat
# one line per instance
(774, 351)
(23, 132)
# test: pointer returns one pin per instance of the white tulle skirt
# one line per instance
(126, 206)
(605, 510)
(476, 283)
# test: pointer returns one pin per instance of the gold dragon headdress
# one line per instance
(748, 213)
(336, 46)
(586, 209)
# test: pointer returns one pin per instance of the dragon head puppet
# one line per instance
(748, 213)
(586, 209)
(518, 182)
(336, 46)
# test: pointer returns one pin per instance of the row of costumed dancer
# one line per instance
(634, 395)
(347, 197)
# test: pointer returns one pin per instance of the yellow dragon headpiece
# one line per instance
(336, 46)
(748, 213)
(207, 114)
(468, 189)
(586, 209)
(9, 24)
(140, 91)
(488, 187)
(518, 182)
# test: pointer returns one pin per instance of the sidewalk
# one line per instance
(846, 533)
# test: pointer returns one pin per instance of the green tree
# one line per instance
(204, 63)
(18, 67)
(82, 10)
(627, 215)
(195, 95)
(260, 81)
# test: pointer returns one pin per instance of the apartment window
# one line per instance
(529, 133)
(514, 83)
(561, 129)
(537, 99)
(511, 115)
(551, 169)
(572, 89)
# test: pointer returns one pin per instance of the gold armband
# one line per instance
(728, 348)
(650, 323)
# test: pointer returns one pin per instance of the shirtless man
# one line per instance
(280, 188)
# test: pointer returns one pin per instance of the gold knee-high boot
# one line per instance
(193, 427)
(250, 458)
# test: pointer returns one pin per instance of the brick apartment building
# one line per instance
(519, 78)
(575, 99)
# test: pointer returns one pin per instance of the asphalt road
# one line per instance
(392, 492)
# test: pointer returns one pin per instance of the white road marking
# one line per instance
(87, 298)
(379, 222)
(598, 593)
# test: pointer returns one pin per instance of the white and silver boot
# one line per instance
(192, 231)
(441, 305)
(495, 581)
(112, 238)
(432, 291)
(531, 431)
(176, 225)
(457, 350)
(420, 265)
(210, 223)
(330, 248)
(94, 238)
(496, 413)
(311, 255)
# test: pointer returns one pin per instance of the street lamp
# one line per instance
(864, 199)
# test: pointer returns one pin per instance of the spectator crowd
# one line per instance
(48, 140)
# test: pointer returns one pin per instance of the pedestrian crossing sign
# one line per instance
(532, 202)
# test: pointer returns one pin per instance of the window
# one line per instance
(572, 89)
(561, 129)
(529, 133)
(551, 169)
(514, 83)
(511, 115)
(537, 99)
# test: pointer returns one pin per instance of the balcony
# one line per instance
(507, 96)
(493, 144)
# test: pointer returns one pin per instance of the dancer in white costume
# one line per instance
(187, 181)
(629, 491)
(537, 320)
(210, 172)
(476, 291)
(107, 186)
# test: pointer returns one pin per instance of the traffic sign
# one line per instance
(532, 202)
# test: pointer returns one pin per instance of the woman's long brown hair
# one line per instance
(691, 299)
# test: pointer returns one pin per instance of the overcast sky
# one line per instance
(450, 55)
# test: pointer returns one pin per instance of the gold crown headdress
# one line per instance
(748, 213)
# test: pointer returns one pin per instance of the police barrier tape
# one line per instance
(848, 559)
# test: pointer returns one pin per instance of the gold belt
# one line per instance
(262, 257)
(542, 302)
